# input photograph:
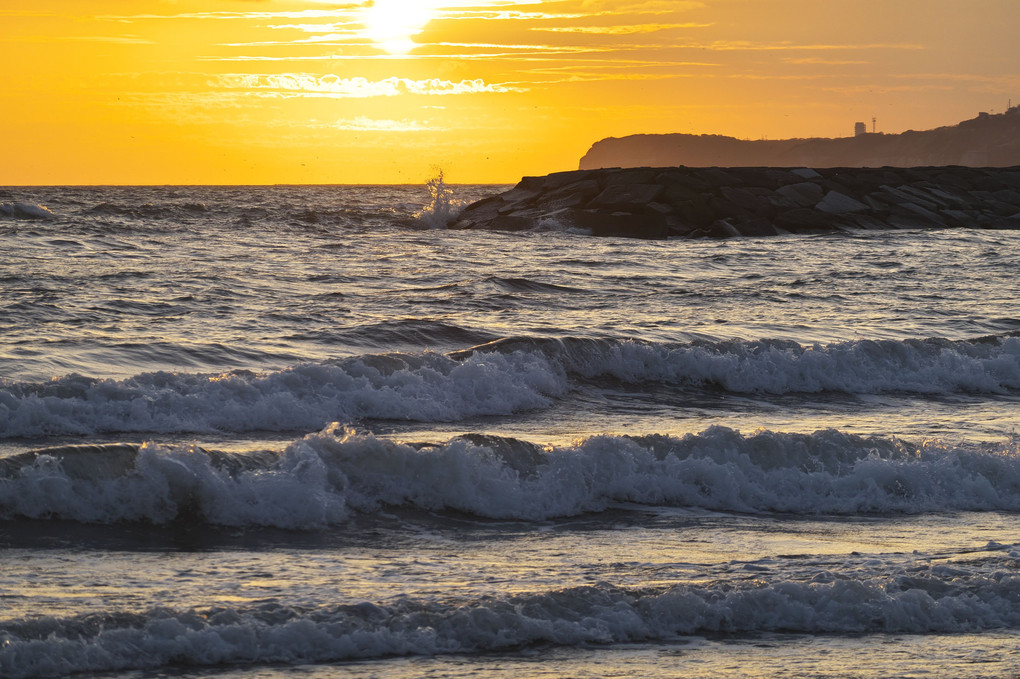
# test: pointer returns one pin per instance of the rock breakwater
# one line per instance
(685, 202)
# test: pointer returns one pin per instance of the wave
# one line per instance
(409, 331)
(989, 365)
(528, 285)
(327, 478)
(498, 378)
(420, 387)
(149, 211)
(32, 211)
(932, 599)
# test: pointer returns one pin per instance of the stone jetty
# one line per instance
(713, 202)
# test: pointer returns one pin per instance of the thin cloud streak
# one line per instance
(342, 10)
(112, 40)
(364, 124)
(333, 86)
(616, 30)
(747, 46)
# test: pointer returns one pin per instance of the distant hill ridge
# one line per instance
(985, 141)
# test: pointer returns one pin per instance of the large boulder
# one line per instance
(836, 203)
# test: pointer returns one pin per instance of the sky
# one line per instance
(392, 91)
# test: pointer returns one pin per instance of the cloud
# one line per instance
(617, 30)
(302, 84)
(363, 124)
(109, 39)
(646, 7)
(744, 45)
(339, 11)
(825, 62)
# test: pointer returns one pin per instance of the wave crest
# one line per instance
(499, 378)
(961, 601)
(28, 211)
(323, 478)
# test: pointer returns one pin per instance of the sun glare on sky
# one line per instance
(391, 23)
(381, 91)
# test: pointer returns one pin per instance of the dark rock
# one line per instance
(802, 194)
(742, 198)
(696, 213)
(1008, 196)
(511, 223)
(680, 229)
(723, 228)
(758, 177)
(804, 220)
(837, 203)
(921, 197)
(987, 201)
(678, 194)
(660, 208)
(572, 195)
(898, 196)
(723, 208)
(757, 227)
(1011, 222)
(620, 224)
(518, 196)
(753, 201)
(530, 183)
(683, 177)
(778, 177)
(961, 218)
(929, 217)
(637, 175)
(624, 196)
(717, 177)
(806, 173)
(558, 180)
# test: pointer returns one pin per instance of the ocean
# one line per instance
(305, 431)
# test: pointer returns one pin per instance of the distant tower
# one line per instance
(873, 121)
(860, 129)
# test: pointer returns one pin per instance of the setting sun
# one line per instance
(391, 23)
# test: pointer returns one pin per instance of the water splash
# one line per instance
(442, 207)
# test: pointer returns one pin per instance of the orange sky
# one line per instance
(310, 91)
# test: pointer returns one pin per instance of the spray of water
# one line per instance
(441, 207)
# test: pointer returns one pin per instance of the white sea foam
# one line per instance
(930, 366)
(497, 379)
(423, 387)
(442, 207)
(320, 479)
(825, 472)
(166, 483)
(927, 602)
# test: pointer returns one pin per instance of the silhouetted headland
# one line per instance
(984, 141)
(715, 202)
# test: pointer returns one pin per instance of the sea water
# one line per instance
(307, 432)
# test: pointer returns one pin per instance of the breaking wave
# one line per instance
(25, 211)
(499, 378)
(326, 478)
(934, 599)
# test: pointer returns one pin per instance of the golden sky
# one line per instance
(310, 91)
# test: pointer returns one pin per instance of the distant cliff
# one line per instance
(985, 141)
